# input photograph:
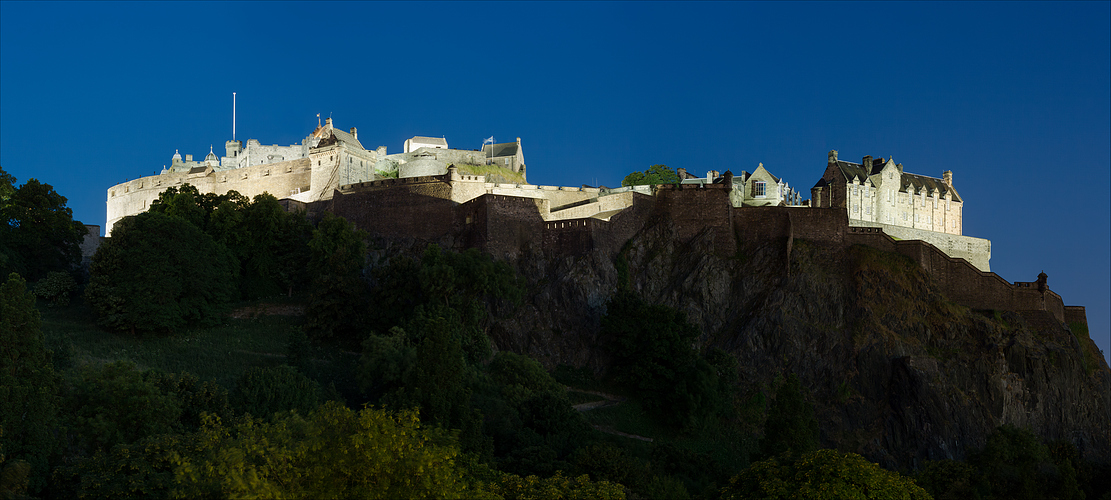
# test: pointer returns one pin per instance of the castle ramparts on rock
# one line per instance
(434, 193)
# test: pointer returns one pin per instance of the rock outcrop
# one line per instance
(896, 371)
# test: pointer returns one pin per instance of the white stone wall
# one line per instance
(279, 179)
(976, 251)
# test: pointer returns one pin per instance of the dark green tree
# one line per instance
(440, 383)
(656, 174)
(159, 273)
(115, 404)
(338, 293)
(1014, 464)
(791, 426)
(653, 351)
(28, 385)
(37, 233)
(262, 392)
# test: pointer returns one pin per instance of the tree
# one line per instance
(656, 174)
(262, 392)
(337, 254)
(38, 233)
(653, 351)
(791, 426)
(821, 475)
(334, 452)
(159, 273)
(115, 404)
(28, 384)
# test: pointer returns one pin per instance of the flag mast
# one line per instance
(233, 116)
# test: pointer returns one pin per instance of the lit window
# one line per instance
(759, 189)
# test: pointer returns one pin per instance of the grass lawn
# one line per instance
(221, 353)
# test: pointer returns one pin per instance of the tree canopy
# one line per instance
(37, 233)
(656, 174)
(158, 273)
(821, 475)
(28, 385)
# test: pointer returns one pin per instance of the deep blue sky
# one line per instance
(1013, 97)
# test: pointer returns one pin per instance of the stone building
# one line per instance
(878, 193)
(762, 189)
(328, 161)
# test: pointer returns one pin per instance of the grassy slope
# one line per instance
(221, 353)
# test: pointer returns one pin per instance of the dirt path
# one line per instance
(608, 400)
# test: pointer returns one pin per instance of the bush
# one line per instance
(262, 392)
(821, 474)
(56, 288)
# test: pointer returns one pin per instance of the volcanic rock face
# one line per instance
(896, 372)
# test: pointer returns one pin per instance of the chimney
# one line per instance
(832, 157)
(188, 157)
(354, 132)
(867, 161)
(948, 176)
(682, 172)
(328, 123)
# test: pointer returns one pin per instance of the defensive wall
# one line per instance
(280, 179)
(957, 278)
(976, 251)
(962, 282)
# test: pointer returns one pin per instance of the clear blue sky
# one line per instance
(1012, 97)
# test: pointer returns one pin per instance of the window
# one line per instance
(904, 216)
(759, 189)
(856, 208)
(868, 210)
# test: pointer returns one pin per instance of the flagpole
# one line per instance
(233, 117)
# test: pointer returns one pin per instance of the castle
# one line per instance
(481, 199)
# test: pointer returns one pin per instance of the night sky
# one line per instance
(1014, 98)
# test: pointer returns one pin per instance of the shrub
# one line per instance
(56, 288)
(262, 392)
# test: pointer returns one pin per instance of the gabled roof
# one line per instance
(503, 149)
(347, 138)
(930, 183)
(849, 170)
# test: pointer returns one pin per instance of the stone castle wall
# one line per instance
(959, 280)
(977, 251)
(280, 179)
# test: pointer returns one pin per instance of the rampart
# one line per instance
(281, 179)
(962, 282)
(976, 251)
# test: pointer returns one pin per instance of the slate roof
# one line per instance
(503, 149)
(850, 170)
(347, 138)
(930, 184)
(438, 141)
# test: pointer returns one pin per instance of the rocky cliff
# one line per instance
(896, 371)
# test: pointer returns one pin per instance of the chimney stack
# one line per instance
(948, 177)
(354, 132)
(832, 157)
(867, 161)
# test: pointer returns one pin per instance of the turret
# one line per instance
(233, 148)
